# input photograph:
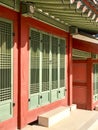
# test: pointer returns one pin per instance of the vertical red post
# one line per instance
(23, 72)
(89, 85)
(70, 71)
(19, 68)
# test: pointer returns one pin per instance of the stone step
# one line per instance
(73, 107)
(54, 116)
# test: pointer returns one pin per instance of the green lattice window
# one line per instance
(95, 81)
(47, 68)
(54, 62)
(45, 62)
(62, 63)
(6, 67)
(34, 59)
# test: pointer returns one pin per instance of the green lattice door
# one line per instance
(34, 69)
(47, 69)
(58, 69)
(45, 91)
(54, 87)
(39, 69)
(61, 69)
(95, 81)
(6, 69)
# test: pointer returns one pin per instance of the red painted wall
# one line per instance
(26, 116)
(11, 124)
(93, 48)
(80, 84)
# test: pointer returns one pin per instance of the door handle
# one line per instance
(41, 96)
(59, 91)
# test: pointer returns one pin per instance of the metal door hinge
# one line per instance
(29, 100)
(13, 104)
(29, 38)
(13, 34)
(41, 40)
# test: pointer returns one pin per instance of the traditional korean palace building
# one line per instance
(48, 58)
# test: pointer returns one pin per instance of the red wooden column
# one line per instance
(70, 100)
(23, 72)
(89, 84)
